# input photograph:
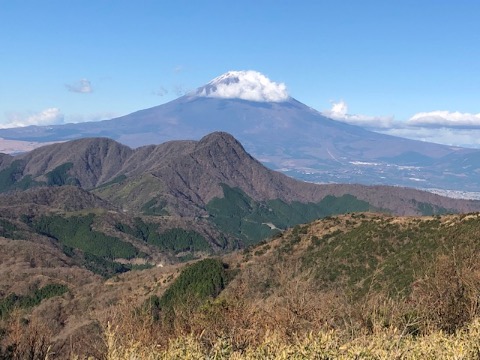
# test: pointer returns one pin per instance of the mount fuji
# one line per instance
(284, 134)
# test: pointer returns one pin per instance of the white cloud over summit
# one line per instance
(246, 85)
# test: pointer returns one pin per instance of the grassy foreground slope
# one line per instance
(352, 286)
(359, 286)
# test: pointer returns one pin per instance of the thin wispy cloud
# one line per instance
(83, 86)
(160, 91)
(180, 90)
(178, 69)
(79, 118)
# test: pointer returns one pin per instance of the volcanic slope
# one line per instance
(284, 134)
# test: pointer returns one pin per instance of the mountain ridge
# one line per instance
(185, 176)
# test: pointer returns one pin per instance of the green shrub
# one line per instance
(60, 176)
(116, 180)
(103, 267)
(12, 178)
(155, 207)
(203, 279)
(33, 299)
(76, 232)
(8, 230)
(176, 240)
(197, 282)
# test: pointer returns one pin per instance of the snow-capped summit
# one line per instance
(246, 85)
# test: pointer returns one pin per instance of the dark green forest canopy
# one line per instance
(252, 221)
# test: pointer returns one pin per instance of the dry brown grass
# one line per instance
(26, 339)
(296, 321)
(448, 296)
(389, 344)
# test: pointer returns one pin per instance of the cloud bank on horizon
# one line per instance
(445, 119)
(441, 126)
(50, 116)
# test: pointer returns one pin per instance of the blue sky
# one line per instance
(405, 67)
